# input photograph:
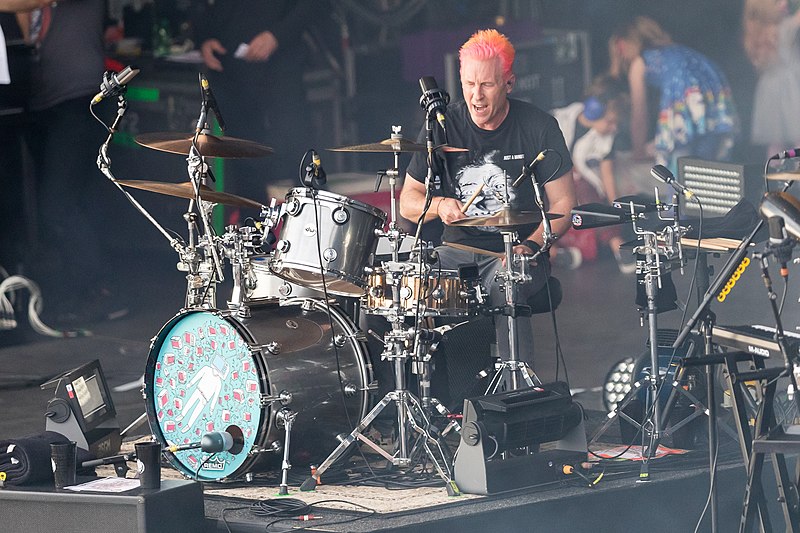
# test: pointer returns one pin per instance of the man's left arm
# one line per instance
(561, 197)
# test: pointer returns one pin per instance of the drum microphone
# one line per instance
(315, 174)
(231, 440)
(662, 173)
(526, 170)
(211, 102)
(786, 154)
(433, 100)
(114, 84)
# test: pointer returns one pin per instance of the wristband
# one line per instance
(533, 245)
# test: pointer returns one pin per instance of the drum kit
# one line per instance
(282, 356)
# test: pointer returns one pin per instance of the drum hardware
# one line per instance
(284, 397)
(654, 245)
(286, 417)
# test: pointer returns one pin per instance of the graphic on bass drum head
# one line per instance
(208, 371)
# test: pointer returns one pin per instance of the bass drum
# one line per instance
(209, 371)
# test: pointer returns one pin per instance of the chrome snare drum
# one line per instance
(441, 293)
(340, 234)
(211, 371)
(263, 286)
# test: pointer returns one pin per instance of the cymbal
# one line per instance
(209, 145)
(185, 190)
(503, 219)
(386, 145)
(784, 176)
(395, 145)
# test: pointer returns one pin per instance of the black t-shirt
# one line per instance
(492, 155)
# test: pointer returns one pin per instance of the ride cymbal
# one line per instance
(505, 219)
(209, 145)
(185, 190)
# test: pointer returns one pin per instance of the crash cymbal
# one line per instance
(185, 190)
(386, 145)
(209, 145)
(784, 176)
(504, 219)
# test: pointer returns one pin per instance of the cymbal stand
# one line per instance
(667, 243)
(515, 273)
(393, 234)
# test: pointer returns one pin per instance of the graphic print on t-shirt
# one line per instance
(484, 171)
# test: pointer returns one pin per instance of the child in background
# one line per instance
(590, 130)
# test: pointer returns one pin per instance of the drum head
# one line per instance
(200, 378)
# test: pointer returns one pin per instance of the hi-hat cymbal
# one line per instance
(386, 145)
(505, 219)
(209, 145)
(185, 190)
(395, 145)
(784, 176)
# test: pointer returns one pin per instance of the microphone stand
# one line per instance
(706, 317)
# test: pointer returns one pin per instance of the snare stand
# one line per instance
(512, 366)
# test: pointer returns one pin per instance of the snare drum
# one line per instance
(441, 292)
(340, 234)
(210, 371)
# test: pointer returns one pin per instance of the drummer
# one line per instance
(502, 134)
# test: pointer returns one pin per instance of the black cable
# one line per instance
(367, 513)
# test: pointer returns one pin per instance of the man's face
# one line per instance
(485, 91)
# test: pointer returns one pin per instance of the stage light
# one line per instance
(618, 382)
(784, 206)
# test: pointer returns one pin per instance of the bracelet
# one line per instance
(439, 204)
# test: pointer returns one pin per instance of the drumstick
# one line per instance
(468, 248)
(472, 198)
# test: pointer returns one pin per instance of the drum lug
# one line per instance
(292, 207)
(283, 245)
(285, 397)
(273, 347)
(340, 340)
(340, 215)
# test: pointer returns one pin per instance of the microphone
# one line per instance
(231, 440)
(779, 243)
(315, 174)
(786, 154)
(208, 95)
(433, 100)
(114, 83)
(662, 173)
(526, 170)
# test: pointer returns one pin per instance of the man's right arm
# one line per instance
(412, 202)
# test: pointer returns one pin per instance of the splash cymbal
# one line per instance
(209, 145)
(185, 190)
(505, 219)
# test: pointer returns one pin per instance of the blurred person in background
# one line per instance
(696, 115)
(770, 39)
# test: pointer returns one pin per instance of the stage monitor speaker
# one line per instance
(502, 434)
(176, 507)
(81, 409)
